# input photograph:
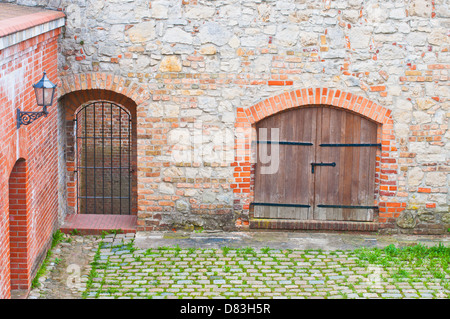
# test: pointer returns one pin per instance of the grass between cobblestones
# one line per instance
(122, 271)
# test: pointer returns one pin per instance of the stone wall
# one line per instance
(204, 62)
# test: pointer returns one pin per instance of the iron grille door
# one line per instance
(103, 159)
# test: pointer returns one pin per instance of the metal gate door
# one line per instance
(103, 159)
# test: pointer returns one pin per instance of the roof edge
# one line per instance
(16, 24)
(18, 29)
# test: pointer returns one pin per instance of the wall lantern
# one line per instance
(45, 92)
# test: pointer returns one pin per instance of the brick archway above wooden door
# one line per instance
(315, 96)
(245, 146)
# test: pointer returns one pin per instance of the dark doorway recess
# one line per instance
(103, 151)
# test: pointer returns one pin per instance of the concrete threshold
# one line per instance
(281, 240)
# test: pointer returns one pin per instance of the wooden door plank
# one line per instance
(323, 173)
(348, 165)
(353, 214)
(304, 185)
(280, 175)
(334, 156)
(342, 161)
(310, 135)
(273, 193)
(317, 213)
(290, 161)
(258, 211)
(363, 172)
(261, 180)
(369, 135)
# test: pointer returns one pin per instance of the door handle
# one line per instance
(321, 164)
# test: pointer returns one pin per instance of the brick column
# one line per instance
(18, 227)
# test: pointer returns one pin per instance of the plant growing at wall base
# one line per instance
(75, 232)
(57, 237)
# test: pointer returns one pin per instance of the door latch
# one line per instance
(321, 164)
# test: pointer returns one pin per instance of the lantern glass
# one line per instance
(44, 96)
(44, 91)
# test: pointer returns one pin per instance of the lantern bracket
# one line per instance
(25, 118)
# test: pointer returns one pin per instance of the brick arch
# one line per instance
(104, 86)
(386, 167)
(74, 100)
(314, 96)
(77, 90)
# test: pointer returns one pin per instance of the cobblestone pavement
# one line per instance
(208, 266)
(68, 265)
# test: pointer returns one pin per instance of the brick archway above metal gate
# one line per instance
(386, 162)
(115, 86)
(76, 90)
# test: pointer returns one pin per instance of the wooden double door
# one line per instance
(315, 163)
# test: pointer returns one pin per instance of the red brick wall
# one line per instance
(22, 65)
